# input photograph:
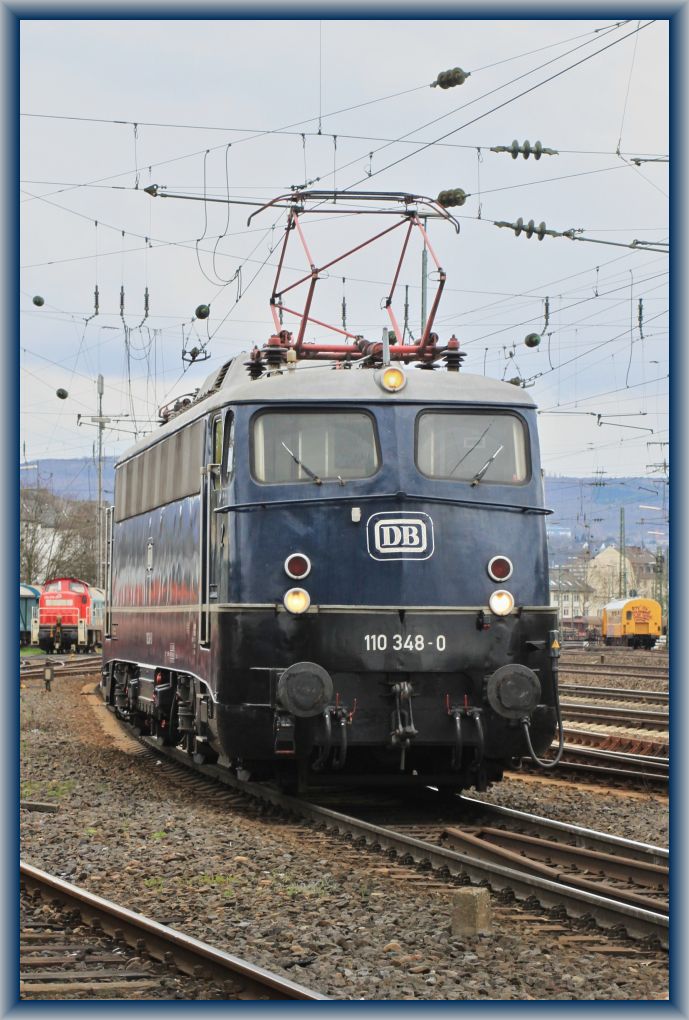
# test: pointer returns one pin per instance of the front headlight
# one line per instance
(391, 378)
(501, 602)
(296, 601)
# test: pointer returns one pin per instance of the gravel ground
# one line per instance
(293, 900)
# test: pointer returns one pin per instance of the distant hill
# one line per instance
(577, 502)
(589, 509)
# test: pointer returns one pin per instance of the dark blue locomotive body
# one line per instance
(312, 576)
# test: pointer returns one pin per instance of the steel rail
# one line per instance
(629, 777)
(189, 953)
(615, 693)
(616, 669)
(620, 765)
(614, 716)
(602, 841)
(652, 761)
(638, 921)
(609, 912)
(549, 858)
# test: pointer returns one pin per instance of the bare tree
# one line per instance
(56, 537)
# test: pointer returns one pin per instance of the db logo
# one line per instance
(400, 536)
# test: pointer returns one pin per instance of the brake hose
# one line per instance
(527, 732)
(554, 646)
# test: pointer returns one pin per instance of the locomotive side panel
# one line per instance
(155, 589)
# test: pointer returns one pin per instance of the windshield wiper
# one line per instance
(481, 471)
(471, 449)
(301, 464)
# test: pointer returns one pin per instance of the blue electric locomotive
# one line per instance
(324, 568)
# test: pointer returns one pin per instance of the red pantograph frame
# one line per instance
(425, 349)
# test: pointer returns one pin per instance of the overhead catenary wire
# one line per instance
(260, 133)
(334, 168)
(494, 109)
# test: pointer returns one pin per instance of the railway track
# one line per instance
(609, 767)
(62, 958)
(421, 845)
(63, 665)
(638, 718)
(615, 694)
(634, 880)
(614, 670)
(643, 743)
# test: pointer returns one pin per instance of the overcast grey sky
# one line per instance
(208, 99)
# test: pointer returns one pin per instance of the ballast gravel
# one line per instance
(294, 900)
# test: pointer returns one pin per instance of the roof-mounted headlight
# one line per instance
(392, 378)
(501, 602)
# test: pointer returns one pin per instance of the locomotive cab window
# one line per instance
(313, 445)
(228, 450)
(472, 447)
(216, 452)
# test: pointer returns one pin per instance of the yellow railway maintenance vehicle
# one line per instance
(634, 622)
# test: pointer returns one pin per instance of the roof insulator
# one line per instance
(255, 363)
(453, 357)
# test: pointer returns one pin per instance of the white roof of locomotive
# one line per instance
(313, 380)
(324, 382)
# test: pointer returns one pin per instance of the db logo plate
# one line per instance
(400, 536)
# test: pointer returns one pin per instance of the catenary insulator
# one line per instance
(454, 196)
(526, 149)
(529, 229)
(448, 79)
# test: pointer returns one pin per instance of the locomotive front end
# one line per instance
(387, 610)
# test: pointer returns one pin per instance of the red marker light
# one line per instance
(500, 568)
(297, 566)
